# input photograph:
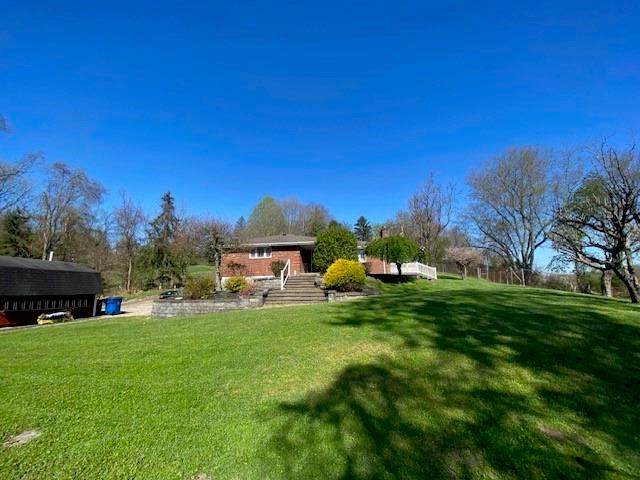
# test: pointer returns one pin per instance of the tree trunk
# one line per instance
(399, 265)
(633, 278)
(463, 272)
(129, 269)
(628, 280)
(605, 283)
(217, 267)
(45, 246)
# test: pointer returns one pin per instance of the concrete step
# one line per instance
(299, 287)
(294, 302)
(302, 295)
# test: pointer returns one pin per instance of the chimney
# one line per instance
(384, 232)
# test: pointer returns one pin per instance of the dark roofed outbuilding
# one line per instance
(29, 287)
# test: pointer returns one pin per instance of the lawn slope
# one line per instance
(447, 379)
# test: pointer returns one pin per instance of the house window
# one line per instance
(260, 252)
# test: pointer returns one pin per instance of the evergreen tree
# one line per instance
(333, 243)
(241, 224)
(16, 236)
(240, 230)
(161, 264)
(164, 226)
(362, 229)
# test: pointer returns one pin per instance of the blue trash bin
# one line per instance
(112, 305)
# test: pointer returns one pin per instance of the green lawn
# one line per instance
(198, 270)
(450, 379)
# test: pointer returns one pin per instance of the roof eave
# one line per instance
(277, 244)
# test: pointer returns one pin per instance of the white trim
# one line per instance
(267, 253)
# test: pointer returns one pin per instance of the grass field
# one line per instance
(197, 270)
(450, 379)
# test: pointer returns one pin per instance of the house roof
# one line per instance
(278, 240)
(29, 277)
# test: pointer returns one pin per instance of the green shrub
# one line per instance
(277, 266)
(236, 284)
(345, 276)
(395, 249)
(334, 243)
(199, 287)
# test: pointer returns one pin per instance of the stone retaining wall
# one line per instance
(266, 283)
(183, 308)
(334, 296)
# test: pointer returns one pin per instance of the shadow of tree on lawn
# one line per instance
(505, 383)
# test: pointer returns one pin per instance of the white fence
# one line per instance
(415, 268)
(285, 276)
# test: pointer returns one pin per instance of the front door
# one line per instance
(306, 260)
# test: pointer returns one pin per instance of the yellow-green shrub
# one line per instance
(345, 276)
(199, 287)
(236, 284)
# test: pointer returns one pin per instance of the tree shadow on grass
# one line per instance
(504, 383)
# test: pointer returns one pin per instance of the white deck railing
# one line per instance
(283, 277)
(415, 268)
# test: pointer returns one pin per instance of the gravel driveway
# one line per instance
(135, 308)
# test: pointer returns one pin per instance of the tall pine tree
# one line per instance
(16, 236)
(161, 263)
(362, 229)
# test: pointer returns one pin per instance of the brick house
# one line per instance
(253, 258)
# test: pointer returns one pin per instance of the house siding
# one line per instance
(375, 266)
(261, 267)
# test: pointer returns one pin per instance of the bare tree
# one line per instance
(317, 218)
(67, 200)
(294, 214)
(430, 213)
(129, 222)
(213, 235)
(512, 206)
(599, 226)
(14, 186)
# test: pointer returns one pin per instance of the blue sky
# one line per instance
(350, 104)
